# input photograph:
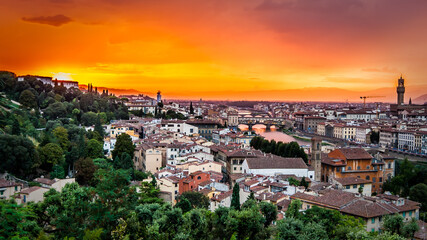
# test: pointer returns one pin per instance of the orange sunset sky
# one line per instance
(222, 49)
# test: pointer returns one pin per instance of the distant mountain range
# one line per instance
(420, 100)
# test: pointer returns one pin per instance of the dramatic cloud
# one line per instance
(56, 21)
(218, 47)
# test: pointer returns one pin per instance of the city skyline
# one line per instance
(249, 50)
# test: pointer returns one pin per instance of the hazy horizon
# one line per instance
(215, 48)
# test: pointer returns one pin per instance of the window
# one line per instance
(355, 186)
(373, 220)
(373, 230)
(347, 187)
(235, 168)
(198, 178)
(374, 179)
(404, 214)
(16, 188)
(362, 185)
(381, 179)
(349, 168)
(338, 169)
(367, 167)
(1, 192)
(358, 167)
(368, 178)
(410, 214)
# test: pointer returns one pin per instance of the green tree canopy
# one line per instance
(61, 135)
(123, 144)
(197, 200)
(51, 154)
(17, 155)
(28, 99)
(94, 149)
(85, 169)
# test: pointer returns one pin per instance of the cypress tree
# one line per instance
(191, 108)
(235, 198)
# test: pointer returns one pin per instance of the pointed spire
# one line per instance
(410, 101)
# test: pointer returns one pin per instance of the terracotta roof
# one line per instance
(284, 204)
(352, 180)
(332, 161)
(173, 179)
(368, 209)
(30, 189)
(331, 198)
(319, 186)
(222, 196)
(5, 183)
(204, 183)
(205, 191)
(251, 182)
(275, 162)
(257, 188)
(46, 181)
(354, 153)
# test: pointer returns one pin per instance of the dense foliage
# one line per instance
(44, 134)
(291, 149)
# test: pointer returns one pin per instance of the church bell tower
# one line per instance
(316, 157)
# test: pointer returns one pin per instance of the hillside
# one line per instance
(420, 100)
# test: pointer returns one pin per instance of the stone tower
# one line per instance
(159, 96)
(400, 90)
(316, 157)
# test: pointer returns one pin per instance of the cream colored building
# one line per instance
(169, 184)
(55, 183)
(8, 188)
(352, 185)
(321, 129)
(349, 132)
(31, 194)
(150, 158)
(338, 131)
(205, 167)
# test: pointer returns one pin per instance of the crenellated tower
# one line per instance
(400, 90)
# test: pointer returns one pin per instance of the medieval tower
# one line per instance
(316, 157)
(400, 91)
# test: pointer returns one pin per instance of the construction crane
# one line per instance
(365, 97)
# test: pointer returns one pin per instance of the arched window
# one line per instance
(367, 178)
(198, 178)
